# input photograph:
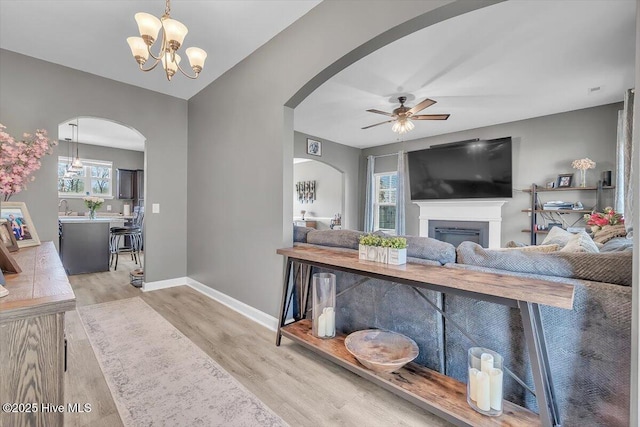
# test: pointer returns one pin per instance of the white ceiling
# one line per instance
(507, 62)
(96, 131)
(90, 35)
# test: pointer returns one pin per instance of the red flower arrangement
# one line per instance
(597, 220)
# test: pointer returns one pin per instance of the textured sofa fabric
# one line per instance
(600, 267)
(335, 238)
(300, 233)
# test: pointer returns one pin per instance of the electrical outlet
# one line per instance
(155, 208)
(108, 208)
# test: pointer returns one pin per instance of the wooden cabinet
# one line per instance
(126, 182)
(32, 342)
(305, 223)
(536, 206)
(131, 185)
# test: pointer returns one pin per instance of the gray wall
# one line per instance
(345, 159)
(39, 94)
(329, 192)
(122, 159)
(543, 147)
(241, 165)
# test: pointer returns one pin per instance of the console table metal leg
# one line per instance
(537, 349)
(285, 295)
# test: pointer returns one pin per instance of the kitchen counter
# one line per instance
(77, 219)
(84, 243)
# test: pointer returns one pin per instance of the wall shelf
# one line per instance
(534, 207)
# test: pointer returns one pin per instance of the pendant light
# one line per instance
(68, 173)
(76, 165)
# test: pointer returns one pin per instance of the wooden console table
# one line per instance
(435, 392)
(32, 343)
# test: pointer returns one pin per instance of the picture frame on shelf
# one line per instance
(564, 180)
(17, 214)
(7, 238)
(314, 147)
(551, 184)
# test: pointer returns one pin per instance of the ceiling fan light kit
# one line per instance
(402, 116)
(173, 34)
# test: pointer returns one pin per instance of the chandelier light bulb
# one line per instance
(139, 49)
(196, 57)
(149, 26)
(175, 32)
(402, 126)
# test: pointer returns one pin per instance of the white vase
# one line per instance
(383, 255)
(372, 253)
(362, 252)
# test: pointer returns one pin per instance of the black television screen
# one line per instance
(470, 169)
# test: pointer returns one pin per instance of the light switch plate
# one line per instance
(155, 208)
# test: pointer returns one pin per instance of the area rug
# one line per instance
(158, 377)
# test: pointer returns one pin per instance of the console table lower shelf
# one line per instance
(435, 392)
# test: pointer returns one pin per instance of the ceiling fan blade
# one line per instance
(419, 107)
(380, 112)
(431, 117)
(378, 124)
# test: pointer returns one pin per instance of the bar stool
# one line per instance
(134, 235)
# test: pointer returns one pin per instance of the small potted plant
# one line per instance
(397, 250)
(368, 248)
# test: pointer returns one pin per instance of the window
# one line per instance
(385, 203)
(96, 178)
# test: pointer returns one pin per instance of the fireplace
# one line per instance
(456, 232)
(483, 211)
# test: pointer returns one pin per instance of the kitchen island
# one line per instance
(84, 243)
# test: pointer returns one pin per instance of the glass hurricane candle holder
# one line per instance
(324, 305)
(484, 385)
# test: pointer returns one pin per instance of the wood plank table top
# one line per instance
(502, 286)
(41, 288)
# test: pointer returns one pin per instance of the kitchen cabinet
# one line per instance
(126, 182)
(138, 190)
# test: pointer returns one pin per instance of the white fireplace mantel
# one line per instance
(464, 210)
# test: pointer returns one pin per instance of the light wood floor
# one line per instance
(304, 389)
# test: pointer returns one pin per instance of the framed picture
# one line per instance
(7, 238)
(22, 227)
(564, 180)
(314, 147)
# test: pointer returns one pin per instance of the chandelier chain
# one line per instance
(167, 7)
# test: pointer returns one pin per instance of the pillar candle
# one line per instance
(473, 384)
(330, 319)
(483, 391)
(322, 326)
(495, 376)
(486, 363)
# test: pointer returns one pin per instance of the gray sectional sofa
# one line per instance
(589, 346)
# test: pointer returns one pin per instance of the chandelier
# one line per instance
(173, 34)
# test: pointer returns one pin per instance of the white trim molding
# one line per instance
(162, 284)
(464, 210)
(246, 310)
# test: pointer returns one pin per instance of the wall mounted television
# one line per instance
(462, 170)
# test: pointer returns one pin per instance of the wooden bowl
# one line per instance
(381, 351)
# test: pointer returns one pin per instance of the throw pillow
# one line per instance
(581, 242)
(608, 232)
(557, 236)
(539, 248)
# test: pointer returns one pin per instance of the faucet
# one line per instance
(66, 206)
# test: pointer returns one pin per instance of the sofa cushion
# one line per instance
(613, 267)
(534, 248)
(432, 249)
(581, 242)
(608, 232)
(618, 244)
(335, 238)
(300, 233)
(557, 236)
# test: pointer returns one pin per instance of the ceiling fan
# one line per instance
(402, 116)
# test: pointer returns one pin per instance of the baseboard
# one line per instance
(162, 284)
(252, 313)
